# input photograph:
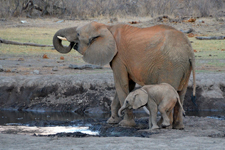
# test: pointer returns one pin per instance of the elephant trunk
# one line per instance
(120, 112)
(68, 34)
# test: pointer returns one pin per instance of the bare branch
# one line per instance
(24, 44)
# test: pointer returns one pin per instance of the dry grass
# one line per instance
(210, 55)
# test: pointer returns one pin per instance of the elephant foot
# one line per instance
(127, 123)
(178, 126)
(169, 127)
(144, 130)
(114, 120)
(165, 125)
(159, 123)
(154, 127)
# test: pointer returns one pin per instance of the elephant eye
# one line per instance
(78, 34)
(91, 40)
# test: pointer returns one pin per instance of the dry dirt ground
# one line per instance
(199, 133)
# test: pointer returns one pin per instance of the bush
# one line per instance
(109, 8)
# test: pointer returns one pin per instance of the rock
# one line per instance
(55, 68)
(45, 56)
(14, 70)
(36, 72)
(187, 31)
(23, 21)
(60, 21)
(134, 22)
(113, 20)
(60, 61)
(7, 70)
(1, 68)
(62, 58)
(21, 59)
(48, 66)
(87, 66)
(3, 58)
(191, 20)
(191, 35)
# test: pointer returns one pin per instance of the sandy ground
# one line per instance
(109, 143)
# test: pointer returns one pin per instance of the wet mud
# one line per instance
(93, 93)
(203, 124)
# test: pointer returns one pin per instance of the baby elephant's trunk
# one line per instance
(121, 110)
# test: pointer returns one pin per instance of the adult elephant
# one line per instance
(144, 56)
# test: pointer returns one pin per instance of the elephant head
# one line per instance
(66, 35)
(134, 100)
(94, 41)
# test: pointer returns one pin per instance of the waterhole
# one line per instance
(72, 124)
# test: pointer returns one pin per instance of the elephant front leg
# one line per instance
(128, 119)
(123, 86)
(115, 106)
(153, 115)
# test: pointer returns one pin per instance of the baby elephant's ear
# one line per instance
(140, 99)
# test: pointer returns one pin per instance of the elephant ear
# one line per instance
(102, 47)
(140, 99)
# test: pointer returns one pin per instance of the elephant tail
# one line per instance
(193, 97)
(178, 99)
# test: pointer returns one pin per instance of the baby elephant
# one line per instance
(160, 96)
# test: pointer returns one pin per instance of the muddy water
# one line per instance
(72, 124)
(210, 114)
(18, 117)
(50, 122)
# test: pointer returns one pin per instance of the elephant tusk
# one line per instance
(62, 38)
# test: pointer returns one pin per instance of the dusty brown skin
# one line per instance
(158, 54)
(162, 97)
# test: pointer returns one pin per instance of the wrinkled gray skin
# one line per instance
(153, 55)
(162, 97)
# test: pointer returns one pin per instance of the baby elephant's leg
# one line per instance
(150, 120)
(165, 109)
(160, 121)
(153, 115)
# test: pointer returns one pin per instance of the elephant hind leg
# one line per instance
(166, 109)
(165, 118)
(178, 113)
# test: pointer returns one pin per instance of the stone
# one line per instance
(1, 68)
(36, 72)
(14, 70)
(21, 59)
(60, 61)
(55, 68)
(86, 66)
